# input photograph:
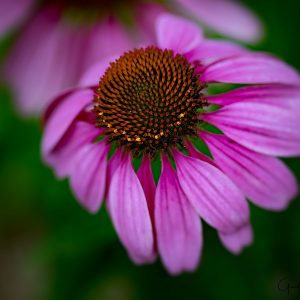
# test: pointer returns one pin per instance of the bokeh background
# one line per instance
(50, 248)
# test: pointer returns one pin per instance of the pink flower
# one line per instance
(154, 103)
(63, 39)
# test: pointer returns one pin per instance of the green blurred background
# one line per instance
(52, 249)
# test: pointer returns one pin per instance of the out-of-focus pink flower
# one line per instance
(153, 103)
(64, 38)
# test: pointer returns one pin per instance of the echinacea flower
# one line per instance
(61, 39)
(153, 104)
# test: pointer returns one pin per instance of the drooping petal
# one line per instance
(195, 153)
(216, 199)
(12, 13)
(108, 38)
(225, 16)
(27, 75)
(251, 68)
(62, 117)
(185, 38)
(130, 214)
(55, 102)
(93, 74)
(179, 231)
(287, 97)
(113, 164)
(236, 241)
(63, 155)
(264, 179)
(44, 61)
(146, 15)
(147, 181)
(210, 50)
(89, 175)
(261, 127)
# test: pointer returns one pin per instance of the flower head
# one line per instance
(155, 104)
(150, 110)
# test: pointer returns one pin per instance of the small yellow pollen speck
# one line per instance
(181, 115)
(109, 125)
(124, 132)
(138, 139)
(116, 131)
(161, 133)
(157, 137)
(100, 113)
(178, 123)
(129, 139)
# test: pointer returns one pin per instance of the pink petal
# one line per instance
(251, 68)
(195, 153)
(179, 231)
(129, 212)
(44, 61)
(215, 198)
(112, 166)
(227, 17)
(63, 155)
(108, 38)
(261, 127)
(62, 117)
(146, 178)
(210, 50)
(146, 15)
(89, 176)
(264, 179)
(56, 102)
(13, 13)
(177, 33)
(236, 241)
(30, 59)
(93, 74)
(278, 95)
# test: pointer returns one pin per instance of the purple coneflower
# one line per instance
(153, 104)
(64, 38)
